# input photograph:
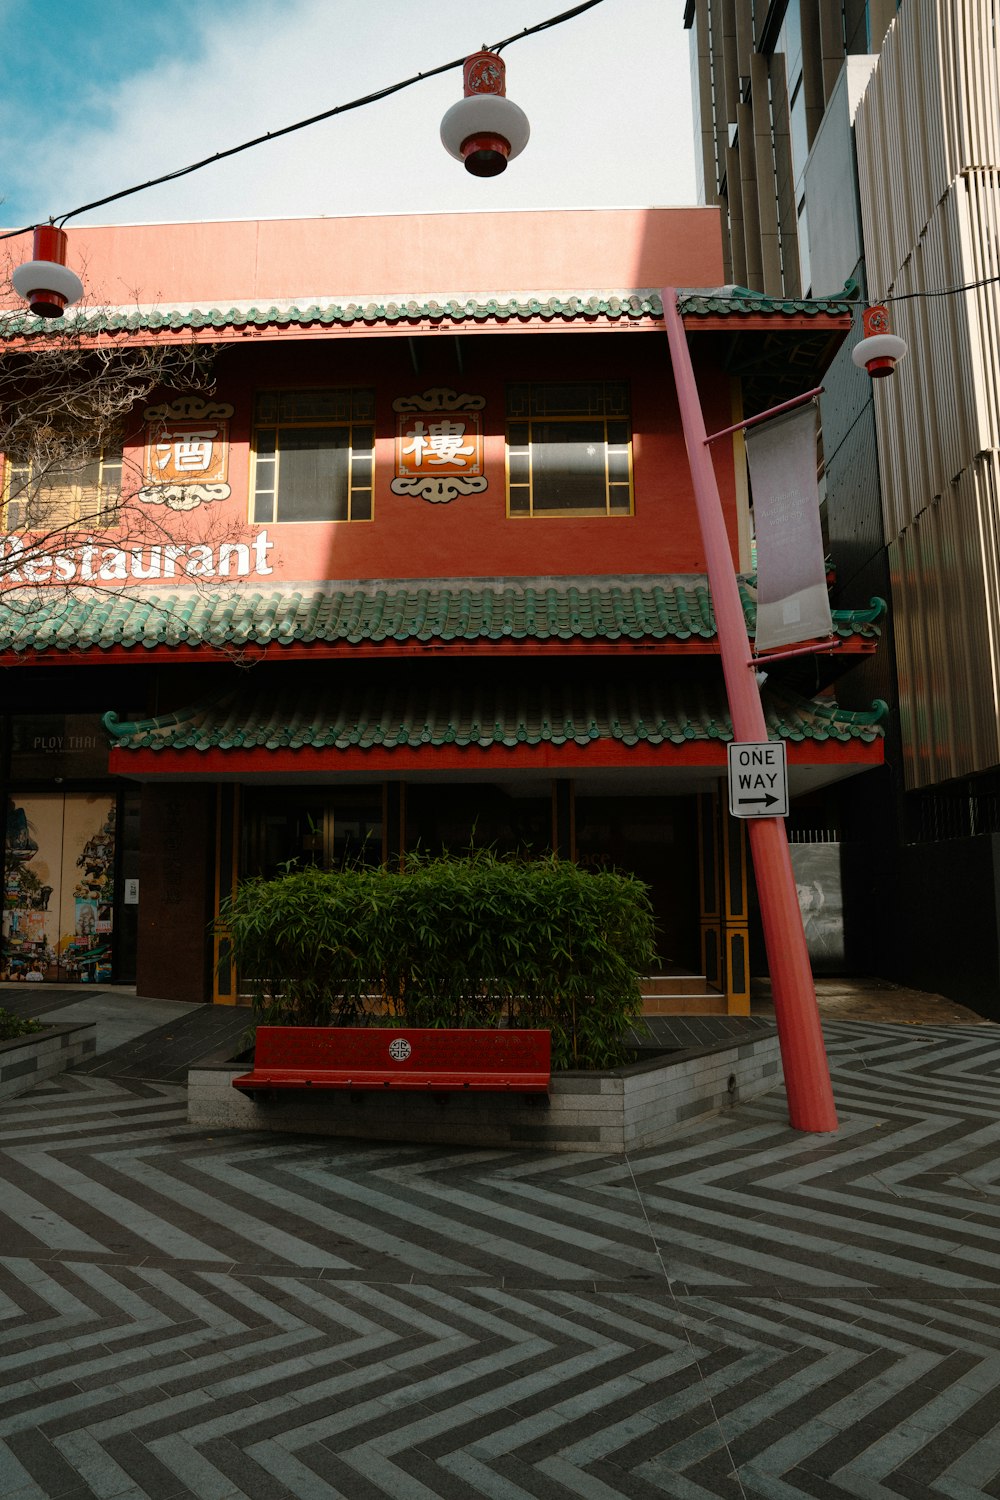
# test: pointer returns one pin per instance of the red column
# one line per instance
(803, 1054)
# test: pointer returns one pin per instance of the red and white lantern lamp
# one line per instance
(879, 350)
(485, 129)
(46, 282)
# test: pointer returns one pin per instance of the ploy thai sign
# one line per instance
(186, 459)
(439, 445)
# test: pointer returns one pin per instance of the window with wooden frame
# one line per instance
(48, 495)
(569, 449)
(314, 456)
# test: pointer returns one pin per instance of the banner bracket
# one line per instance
(832, 644)
(765, 416)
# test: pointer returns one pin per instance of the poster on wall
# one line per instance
(821, 902)
(58, 888)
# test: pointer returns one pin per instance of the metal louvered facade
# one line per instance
(763, 74)
(896, 104)
(923, 99)
(930, 197)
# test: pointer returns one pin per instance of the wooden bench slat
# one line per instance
(291, 1078)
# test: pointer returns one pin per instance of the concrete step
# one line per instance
(675, 982)
(673, 991)
(710, 1004)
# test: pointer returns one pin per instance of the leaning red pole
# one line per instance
(800, 1036)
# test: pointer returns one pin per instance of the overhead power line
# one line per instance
(942, 291)
(395, 88)
(327, 114)
(743, 295)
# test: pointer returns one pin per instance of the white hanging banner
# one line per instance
(792, 599)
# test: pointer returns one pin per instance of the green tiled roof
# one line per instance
(642, 608)
(619, 306)
(740, 301)
(846, 622)
(628, 710)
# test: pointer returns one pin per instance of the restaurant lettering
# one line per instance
(95, 562)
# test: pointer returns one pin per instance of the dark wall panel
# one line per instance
(950, 920)
(175, 892)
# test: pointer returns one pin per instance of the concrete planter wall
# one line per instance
(620, 1110)
(26, 1060)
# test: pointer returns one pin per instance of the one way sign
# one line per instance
(758, 780)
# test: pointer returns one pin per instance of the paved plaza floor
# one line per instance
(745, 1310)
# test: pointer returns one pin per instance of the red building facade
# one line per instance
(422, 568)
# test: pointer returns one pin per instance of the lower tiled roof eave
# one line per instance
(280, 763)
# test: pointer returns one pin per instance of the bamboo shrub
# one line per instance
(470, 941)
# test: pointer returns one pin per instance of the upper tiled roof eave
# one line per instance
(360, 312)
(671, 611)
(463, 310)
(741, 304)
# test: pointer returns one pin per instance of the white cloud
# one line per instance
(606, 94)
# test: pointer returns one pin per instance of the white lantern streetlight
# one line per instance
(485, 129)
(46, 282)
(879, 350)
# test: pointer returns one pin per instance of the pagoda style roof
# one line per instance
(388, 617)
(458, 311)
(741, 303)
(775, 346)
(630, 710)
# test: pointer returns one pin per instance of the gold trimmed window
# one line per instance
(46, 496)
(569, 449)
(314, 456)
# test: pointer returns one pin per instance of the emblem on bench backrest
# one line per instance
(399, 1049)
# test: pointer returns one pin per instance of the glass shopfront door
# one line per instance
(332, 830)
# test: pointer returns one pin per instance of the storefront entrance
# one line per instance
(266, 831)
(332, 830)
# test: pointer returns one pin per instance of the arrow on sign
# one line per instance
(768, 801)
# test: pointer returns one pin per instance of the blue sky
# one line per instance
(131, 88)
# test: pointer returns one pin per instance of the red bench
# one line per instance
(376, 1057)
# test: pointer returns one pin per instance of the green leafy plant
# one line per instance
(12, 1026)
(476, 940)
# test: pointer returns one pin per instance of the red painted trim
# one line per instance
(771, 322)
(730, 323)
(207, 764)
(52, 656)
(167, 655)
(579, 323)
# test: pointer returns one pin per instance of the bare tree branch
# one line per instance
(77, 512)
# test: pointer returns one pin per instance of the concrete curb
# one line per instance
(623, 1109)
(26, 1060)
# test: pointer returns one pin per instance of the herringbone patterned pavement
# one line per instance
(745, 1311)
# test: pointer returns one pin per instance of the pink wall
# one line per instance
(220, 263)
